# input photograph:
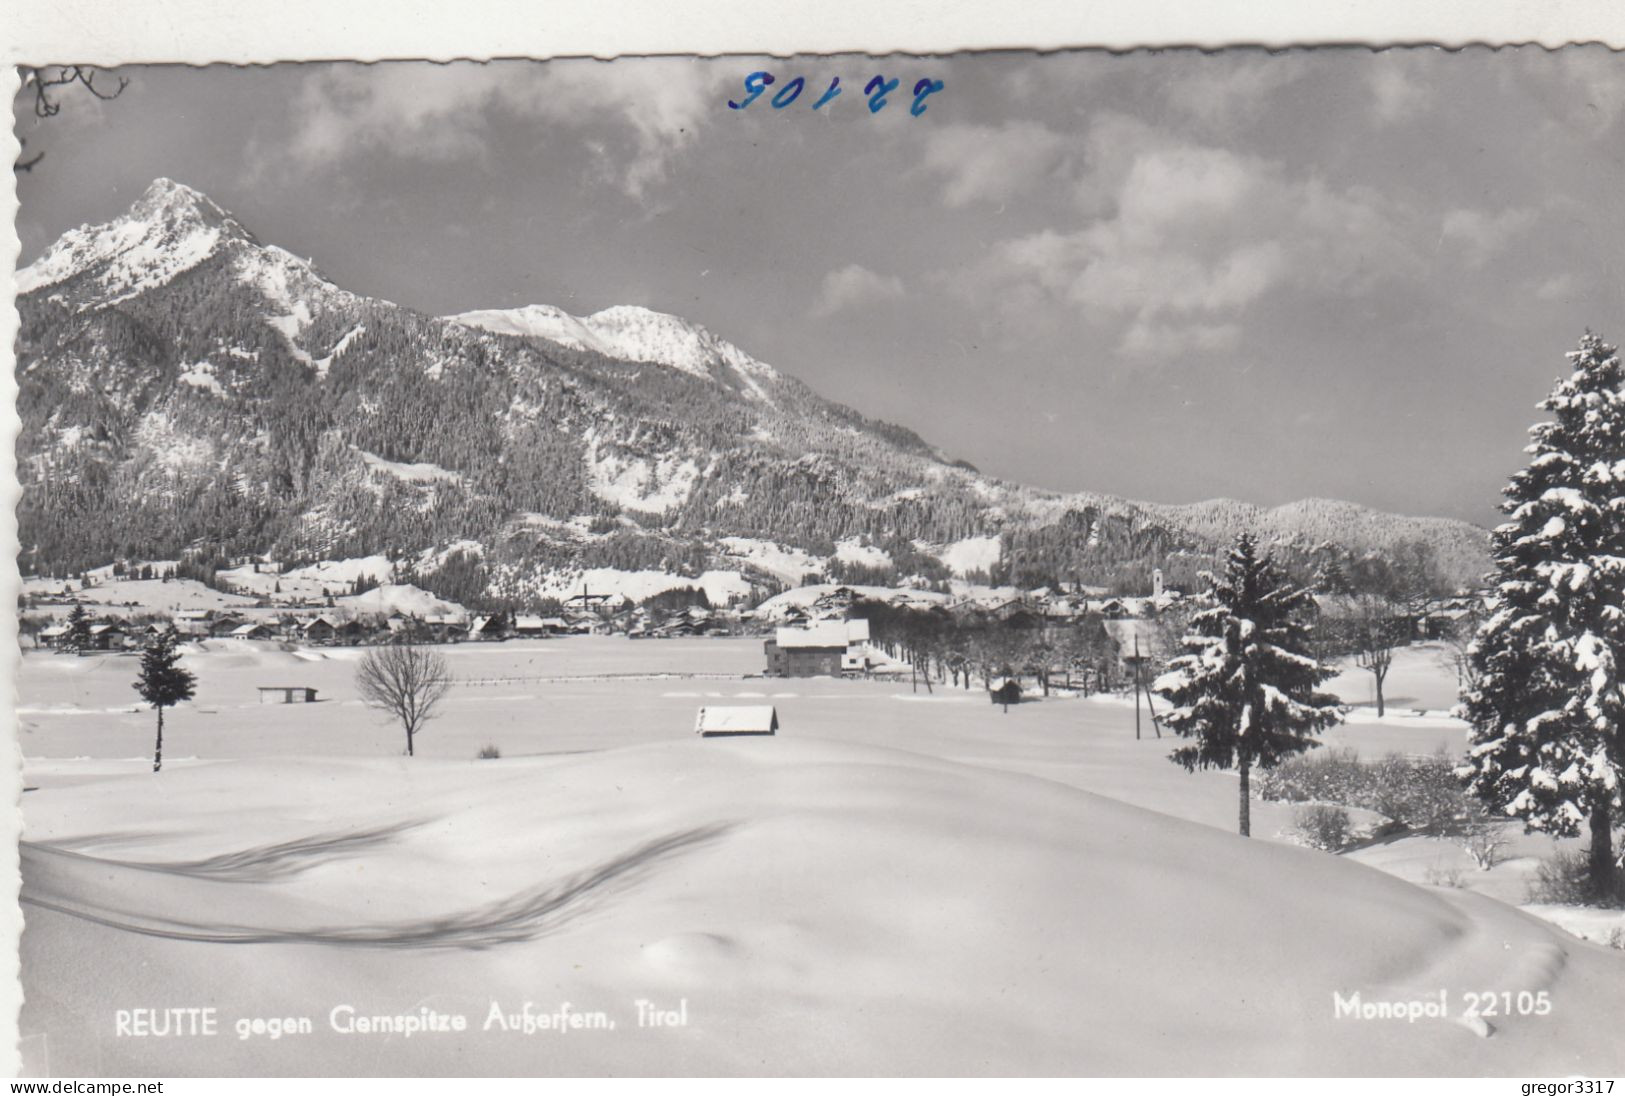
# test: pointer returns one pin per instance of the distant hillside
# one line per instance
(1461, 549)
(185, 388)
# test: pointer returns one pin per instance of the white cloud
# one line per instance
(1180, 240)
(1395, 95)
(1558, 287)
(1601, 81)
(1147, 339)
(1481, 235)
(1230, 86)
(856, 286)
(992, 163)
(443, 112)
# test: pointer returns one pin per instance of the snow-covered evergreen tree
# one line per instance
(1246, 690)
(1548, 711)
(1332, 579)
(77, 638)
(162, 683)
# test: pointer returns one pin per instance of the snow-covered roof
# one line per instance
(247, 629)
(740, 719)
(822, 634)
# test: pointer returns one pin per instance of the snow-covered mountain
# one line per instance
(186, 388)
(635, 334)
(170, 230)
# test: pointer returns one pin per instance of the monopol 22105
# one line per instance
(877, 91)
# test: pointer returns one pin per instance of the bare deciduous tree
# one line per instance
(407, 682)
(1368, 627)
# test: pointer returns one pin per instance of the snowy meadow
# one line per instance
(936, 886)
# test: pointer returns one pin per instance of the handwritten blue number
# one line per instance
(790, 93)
(755, 83)
(834, 90)
(877, 100)
(921, 90)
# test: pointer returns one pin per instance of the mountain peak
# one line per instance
(165, 198)
(169, 229)
(632, 333)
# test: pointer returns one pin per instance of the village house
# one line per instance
(823, 648)
(588, 602)
(193, 622)
(492, 627)
(531, 626)
(582, 623)
(108, 636)
(224, 625)
(446, 627)
(1116, 609)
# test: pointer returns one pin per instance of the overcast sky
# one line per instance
(1167, 276)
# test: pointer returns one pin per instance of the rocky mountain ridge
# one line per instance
(185, 388)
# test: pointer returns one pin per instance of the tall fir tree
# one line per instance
(1547, 710)
(163, 684)
(1333, 579)
(1246, 688)
(77, 638)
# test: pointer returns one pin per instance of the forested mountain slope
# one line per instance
(185, 388)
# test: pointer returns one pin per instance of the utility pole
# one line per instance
(1139, 685)
(1136, 686)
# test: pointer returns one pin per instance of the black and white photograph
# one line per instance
(989, 563)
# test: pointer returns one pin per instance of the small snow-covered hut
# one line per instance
(740, 719)
(1006, 692)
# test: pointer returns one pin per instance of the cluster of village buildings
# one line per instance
(817, 636)
(582, 615)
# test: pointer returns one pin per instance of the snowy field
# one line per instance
(899, 882)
